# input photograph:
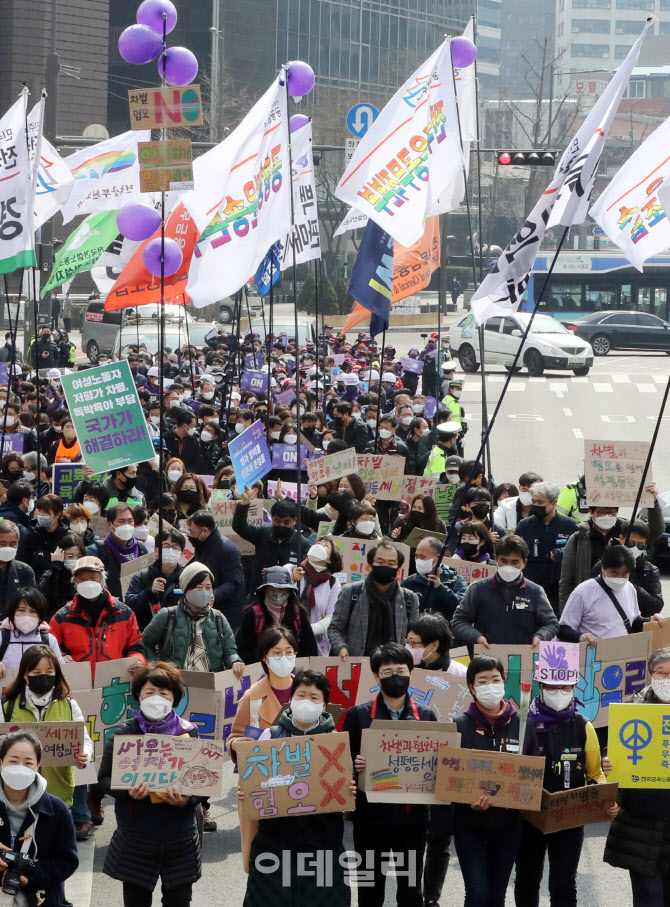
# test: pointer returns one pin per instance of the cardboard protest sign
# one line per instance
(79, 674)
(417, 535)
(512, 781)
(232, 690)
(413, 485)
(290, 489)
(382, 475)
(131, 568)
(113, 679)
(354, 557)
(613, 471)
(557, 662)
(90, 703)
(470, 570)
(61, 740)
(401, 762)
(573, 808)
(638, 745)
(332, 466)
(295, 776)
(443, 495)
(660, 634)
(192, 765)
(223, 510)
(446, 694)
(344, 677)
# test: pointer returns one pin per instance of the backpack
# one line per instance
(259, 620)
(172, 622)
(6, 638)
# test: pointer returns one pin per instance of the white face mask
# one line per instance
(69, 565)
(7, 554)
(452, 477)
(239, 427)
(208, 395)
(141, 532)
(417, 408)
(92, 506)
(89, 589)
(372, 424)
(306, 711)
(557, 699)
(124, 532)
(456, 394)
(281, 665)
(290, 439)
(490, 695)
(424, 567)
(26, 624)
(509, 574)
(365, 527)
(325, 444)
(154, 420)
(206, 437)
(526, 498)
(605, 522)
(18, 777)
(29, 476)
(275, 435)
(385, 434)
(636, 552)
(661, 688)
(10, 421)
(615, 582)
(78, 528)
(174, 474)
(192, 432)
(155, 708)
(188, 395)
(406, 420)
(170, 556)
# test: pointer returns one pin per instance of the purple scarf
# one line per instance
(172, 724)
(544, 718)
(122, 553)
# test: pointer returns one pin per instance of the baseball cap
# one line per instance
(89, 563)
(452, 464)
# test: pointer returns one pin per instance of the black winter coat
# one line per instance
(269, 552)
(247, 637)
(112, 566)
(143, 602)
(13, 577)
(36, 547)
(57, 587)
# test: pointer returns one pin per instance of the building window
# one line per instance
(621, 51)
(665, 4)
(591, 4)
(635, 4)
(596, 26)
(559, 30)
(636, 89)
(664, 28)
(561, 5)
(590, 50)
(627, 27)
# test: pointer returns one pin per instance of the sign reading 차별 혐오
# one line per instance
(613, 471)
(161, 108)
(108, 417)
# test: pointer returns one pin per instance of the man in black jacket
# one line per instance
(19, 504)
(646, 576)
(380, 827)
(352, 431)
(46, 353)
(181, 441)
(154, 588)
(276, 544)
(223, 558)
(13, 574)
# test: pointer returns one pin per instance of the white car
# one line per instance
(549, 345)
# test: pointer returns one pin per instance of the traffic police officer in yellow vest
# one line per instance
(457, 412)
(444, 450)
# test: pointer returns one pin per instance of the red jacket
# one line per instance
(116, 634)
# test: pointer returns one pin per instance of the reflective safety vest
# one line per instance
(572, 502)
(455, 408)
(67, 454)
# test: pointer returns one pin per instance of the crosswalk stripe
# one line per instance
(647, 388)
(621, 379)
(79, 886)
(603, 388)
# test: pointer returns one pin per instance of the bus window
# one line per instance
(644, 299)
(661, 302)
(600, 296)
(564, 296)
(627, 296)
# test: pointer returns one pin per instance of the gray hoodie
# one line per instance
(17, 815)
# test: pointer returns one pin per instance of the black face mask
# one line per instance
(339, 421)
(480, 511)
(170, 516)
(189, 495)
(282, 533)
(415, 518)
(394, 686)
(40, 684)
(539, 511)
(468, 549)
(383, 574)
(129, 482)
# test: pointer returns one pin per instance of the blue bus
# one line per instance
(584, 282)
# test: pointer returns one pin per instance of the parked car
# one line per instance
(548, 346)
(306, 328)
(174, 337)
(622, 330)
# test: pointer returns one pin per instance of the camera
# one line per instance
(18, 864)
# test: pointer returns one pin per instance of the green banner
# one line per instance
(108, 417)
(83, 248)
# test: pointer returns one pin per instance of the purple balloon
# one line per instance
(139, 44)
(300, 78)
(152, 257)
(463, 52)
(181, 66)
(137, 221)
(150, 13)
(297, 121)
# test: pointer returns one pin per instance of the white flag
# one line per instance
(410, 154)
(354, 220)
(305, 235)
(241, 201)
(54, 178)
(17, 237)
(107, 270)
(501, 290)
(107, 175)
(466, 92)
(632, 208)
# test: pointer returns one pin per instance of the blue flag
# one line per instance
(371, 283)
(268, 272)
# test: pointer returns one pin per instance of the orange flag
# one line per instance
(136, 286)
(412, 269)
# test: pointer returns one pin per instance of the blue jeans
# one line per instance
(486, 857)
(79, 809)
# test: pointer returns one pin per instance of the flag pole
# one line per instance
(161, 329)
(10, 371)
(479, 164)
(268, 349)
(438, 353)
(379, 395)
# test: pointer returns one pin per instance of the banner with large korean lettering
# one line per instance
(250, 455)
(108, 417)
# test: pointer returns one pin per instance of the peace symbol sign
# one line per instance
(635, 735)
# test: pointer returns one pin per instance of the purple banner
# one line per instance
(256, 382)
(284, 455)
(286, 397)
(430, 407)
(254, 361)
(415, 366)
(13, 442)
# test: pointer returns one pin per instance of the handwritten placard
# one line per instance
(130, 568)
(558, 662)
(470, 570)
(573, 808)
(382, 475)
(62, 741)
(354, 557)
(191, 765)
(511, 781)
(333, 466)
(223, 510)
(613, 471)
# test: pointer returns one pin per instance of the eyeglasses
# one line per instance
(402, 671)
(277, 653)
(661, 675)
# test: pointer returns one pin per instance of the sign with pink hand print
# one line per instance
(558, 662)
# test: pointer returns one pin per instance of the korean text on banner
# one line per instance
(638, 745)
(192, 765)
(305, 234)
(66, 477)
(296, 776)
(382, 475)
(82, 248)
(558, 662)
(108, 417)
(511, 781)
(332, 466)
(62, 741)
(250, 455)
(17, 234)
(354, 557)
(469, 570)
(613, 472)
(573, 808)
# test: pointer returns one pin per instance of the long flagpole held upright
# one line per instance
(647, 464)
(161, 330)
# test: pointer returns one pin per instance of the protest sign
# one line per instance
(250, 455)
(295, 776)
(470, 570)
(208, 480)
(414, 366)
(401, 763)
(285, 397)
(130, 568)
(354, 557)
(344, 678)
(338, 358)
(284, 456)
(660, 633)
(290, 489)
(613, 472)
(78, 674)
(557, 662)
(413, 485)
(446, 694)
(254, 381)
(66, 477)
(13, 443)
(325, 528)
(417, 535)
(192, 765)
(61, 741)
(113, 680)
(223, 510)
(90, 703)
(510, 780)
(333, 466)
(638, 745)
(382, 475)
(254, 361)
(443, 496)
(107, 417)
(429, 408)
(573, 808)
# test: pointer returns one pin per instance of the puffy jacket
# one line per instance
(36, 547)
(572, 502)
(355, 435)
(504, 615)
(115, 635)
(145, 603)
(172, 631)
(223, 558)
(446, 597)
